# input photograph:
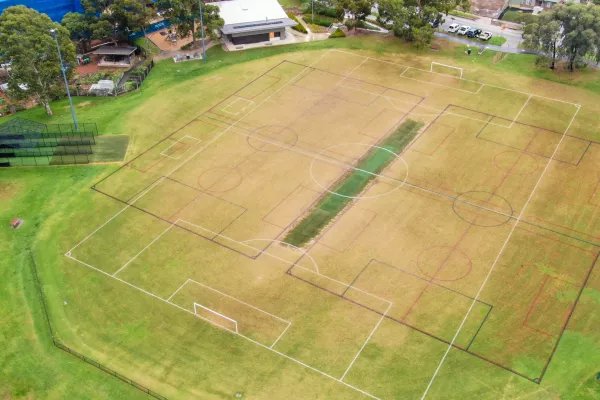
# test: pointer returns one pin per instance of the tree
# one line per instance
(184, 15)
(571, 31)
(115, 19)
(26, 43)
(81, 28)
(543, 36)
(359, 9)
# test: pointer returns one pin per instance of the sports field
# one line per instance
(467, 231)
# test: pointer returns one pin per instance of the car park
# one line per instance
(485, 35)
(463, 30)
(473, 32)
(453, 28)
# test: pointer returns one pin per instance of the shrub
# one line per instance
(298, 27)
(129, 86)
(187, 46)
(337, 34)
(321, 21)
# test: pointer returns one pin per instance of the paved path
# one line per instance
(475, 44)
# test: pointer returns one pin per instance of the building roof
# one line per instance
(251, 15)
(115, 50)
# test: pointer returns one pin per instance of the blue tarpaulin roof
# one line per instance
(56, 9)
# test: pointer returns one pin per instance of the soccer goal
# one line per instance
(446, 69)
(216, 318)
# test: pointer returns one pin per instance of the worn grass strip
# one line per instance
(352, 184)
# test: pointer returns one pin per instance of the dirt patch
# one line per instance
(9, 190)
(487, 8)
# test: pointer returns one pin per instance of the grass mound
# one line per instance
(352, 184)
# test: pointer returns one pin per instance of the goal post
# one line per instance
(215, 318)
(442, 67)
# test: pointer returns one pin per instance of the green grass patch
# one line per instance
(352, 184)
(110, 148)
(298, 27)
(497, 40)
(147, 45)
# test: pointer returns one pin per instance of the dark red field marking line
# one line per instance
(522, 221)
(284, 199)
(307, 145)
(532, 306)
(454, 248)
(360, 80)
(264, 90)
(568, 318)
(593, 193)
(431, 335)
(439, 145)
(161, 159)
(182, 127)
(537, 164)
(479, 328)
(356, 236)
(537, 132)
(564, 227)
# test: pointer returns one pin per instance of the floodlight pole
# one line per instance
(64, 74)
(202, 30)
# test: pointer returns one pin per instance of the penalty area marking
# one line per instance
(468, 80)
(250, 102)
(162, 153)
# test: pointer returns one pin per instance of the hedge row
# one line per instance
(321, 21)
(298, 27)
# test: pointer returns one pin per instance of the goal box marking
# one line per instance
(215, 318)
(446, 66)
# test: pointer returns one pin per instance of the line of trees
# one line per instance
(410, 20)
(567, 31)
(27, 45)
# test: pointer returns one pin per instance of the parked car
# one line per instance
(485, 35)
(435, 23)
(463, 30)
(473, 32)
(453, 28)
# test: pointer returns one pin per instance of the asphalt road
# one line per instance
(513, 37)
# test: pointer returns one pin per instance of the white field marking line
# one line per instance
(304, 252)
(210, 310)
(406, 69)
(141, 251)
(238, 300)
(280, 259)
(236, 100)
(446, 65)
(179, 141)
(467, 80)
(192, 156)
(180, 287)
(521, 110)
(438, 84)
(247, 338)
(366, 341)
(382, 177)
(280, 335)
(437, 370)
